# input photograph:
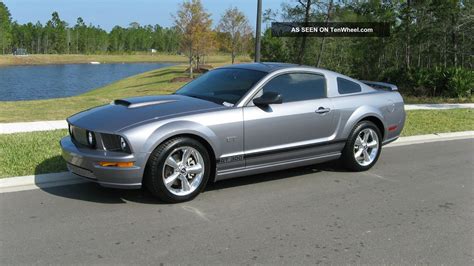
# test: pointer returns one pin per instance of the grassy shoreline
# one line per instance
(47, 59)
(148, 83)
(39, 152)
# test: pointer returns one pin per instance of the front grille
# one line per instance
(111, 142)
(79, 135)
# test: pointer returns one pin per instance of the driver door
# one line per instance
(292, 129)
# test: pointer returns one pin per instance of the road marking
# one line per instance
(22, 183)
(378, 176)
(193, 210)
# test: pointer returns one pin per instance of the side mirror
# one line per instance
(267, 98)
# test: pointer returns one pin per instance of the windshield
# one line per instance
(224, 86)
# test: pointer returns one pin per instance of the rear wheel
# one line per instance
(178, 170)
(363, 147)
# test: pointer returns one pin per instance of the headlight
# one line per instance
(70, 129)
(91, 139)
(123, 144)
(115, 143)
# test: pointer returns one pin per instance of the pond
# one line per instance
(55, 81)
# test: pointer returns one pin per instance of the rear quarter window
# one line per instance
(345, 86)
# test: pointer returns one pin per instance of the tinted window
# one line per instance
(226, 85)
(297, 86)
(345, 86)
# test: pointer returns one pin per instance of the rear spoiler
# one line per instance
(381, 85)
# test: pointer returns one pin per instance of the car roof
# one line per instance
(267, 67)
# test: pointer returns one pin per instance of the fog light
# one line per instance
(116, 164)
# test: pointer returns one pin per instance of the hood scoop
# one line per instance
(129, 104)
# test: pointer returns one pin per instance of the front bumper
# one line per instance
(84, 162)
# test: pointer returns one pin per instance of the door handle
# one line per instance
(322, 110)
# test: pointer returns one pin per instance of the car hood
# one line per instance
(124, 113)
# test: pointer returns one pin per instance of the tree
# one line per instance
(5, 28)
(307, 10)
(235, 26)
(80, 34)
(194, 23)
(274, 49)
(321, 47)
(58, 33)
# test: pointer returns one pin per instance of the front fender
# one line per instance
(175, 128)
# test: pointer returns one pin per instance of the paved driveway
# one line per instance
(415, 206)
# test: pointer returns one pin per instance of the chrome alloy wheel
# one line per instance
(183, 171)
(366, 147)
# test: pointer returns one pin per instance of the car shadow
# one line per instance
(332, 166)
(92, 192)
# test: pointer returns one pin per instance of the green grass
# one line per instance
(31, 153)
(39, 152)
(46, 59)
(437, 121)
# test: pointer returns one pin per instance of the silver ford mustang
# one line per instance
(232, 121)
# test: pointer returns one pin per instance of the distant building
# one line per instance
(20, 51)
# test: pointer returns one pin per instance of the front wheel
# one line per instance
(363, 147)
(178, 170)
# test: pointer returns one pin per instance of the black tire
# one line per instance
(348, 159)
(153, 177)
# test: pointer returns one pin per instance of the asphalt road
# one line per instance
(415, 206)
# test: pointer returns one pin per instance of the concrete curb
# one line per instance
(9, 128)
(21, 183)
(419, 139)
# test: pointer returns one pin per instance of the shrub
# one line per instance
(460, 82)
(432, 82)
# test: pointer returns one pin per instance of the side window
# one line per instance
(297, 87)
(345, 86)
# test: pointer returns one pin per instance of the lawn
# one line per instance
(46, 59)
(39, 152)
(31, 153)
(436, 121)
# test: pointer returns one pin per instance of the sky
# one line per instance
(108, 13)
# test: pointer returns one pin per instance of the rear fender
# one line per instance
(358, 115)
